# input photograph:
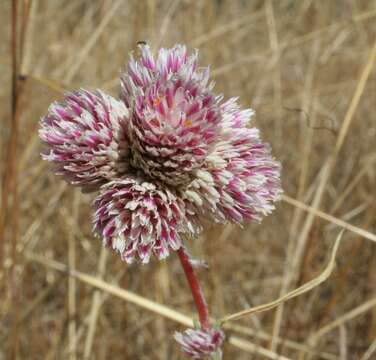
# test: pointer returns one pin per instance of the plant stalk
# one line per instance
(196, 290)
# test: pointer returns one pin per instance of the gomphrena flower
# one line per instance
(197, 159)
(137, 218)
(86, 136)
(175, 116)
(201, 343)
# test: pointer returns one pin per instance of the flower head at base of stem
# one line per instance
(201, 343)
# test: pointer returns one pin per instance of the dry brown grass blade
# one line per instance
(370, 351)
(10, 184)
(306, 141)
(37, 223)
(330, 163)
(282, 45)
(147, 304)
(355, 100)
(342, 342)
(8, 174)
(31, 306)
(173, 6)
(290, 344)
(252, 348)
(28, 34)
(53, 85)
(226, 28)
(294, 293)
(361, 309)
(332, 219)
(95, 306)
(80, 58)
(72, 303)
(277, 80)
(292, 43)
(111, 289)
(350, 187)
(31, 147)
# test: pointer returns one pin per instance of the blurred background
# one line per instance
(307, 68)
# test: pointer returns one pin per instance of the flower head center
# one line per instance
(157, 101)
(188, 123)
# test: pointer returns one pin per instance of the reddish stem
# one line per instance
(197, 293)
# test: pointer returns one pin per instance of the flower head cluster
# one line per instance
(201, 343)
(167, 155)
(86, 135)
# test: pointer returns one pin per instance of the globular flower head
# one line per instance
(201, 343)
(137, 218)
(86, 138)
(239, 180)
(175, 116)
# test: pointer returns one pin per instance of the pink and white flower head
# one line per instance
(86, 138)
(199, 344)
(136, 218)
(175, 118)
(239, 180)
(169, 156)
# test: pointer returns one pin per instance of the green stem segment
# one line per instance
(197, 293)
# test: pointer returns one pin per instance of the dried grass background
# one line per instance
(308, 69)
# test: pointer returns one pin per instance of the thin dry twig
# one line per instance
(10, 171)
(95, 306)
(332, 219)
(370, 351)
(294, 293)
(72, 281)
(343, 342)
(10, 185)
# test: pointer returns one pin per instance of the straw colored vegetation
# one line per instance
(308, 68)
